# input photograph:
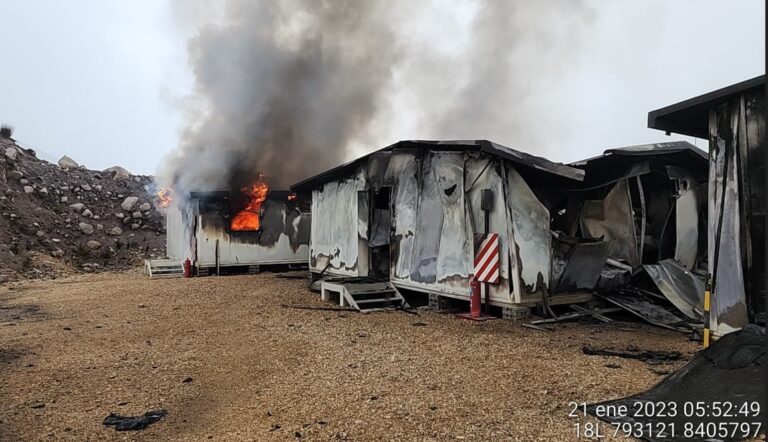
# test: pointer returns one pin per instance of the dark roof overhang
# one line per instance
(691, 117)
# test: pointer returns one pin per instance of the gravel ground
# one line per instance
(73, 350)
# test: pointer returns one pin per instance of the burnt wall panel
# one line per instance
(725, 254)
(403, 176)
(532, 240)
(484, 173)
(335, 244)
(429, 225)
(611, 219)
(753, 149)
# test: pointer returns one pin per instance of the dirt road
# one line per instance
(74, 350)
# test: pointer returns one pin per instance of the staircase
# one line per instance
(364, 296)
(163, 268)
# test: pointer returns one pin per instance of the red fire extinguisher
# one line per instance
(474, 299)
(187, 268)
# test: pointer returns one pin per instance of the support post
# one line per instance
(217, 258)
(707, 305)
(486, 204)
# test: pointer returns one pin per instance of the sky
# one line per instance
(105, 82)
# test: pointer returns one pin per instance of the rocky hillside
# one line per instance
(56, 219)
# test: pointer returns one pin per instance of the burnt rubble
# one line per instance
(55, 219)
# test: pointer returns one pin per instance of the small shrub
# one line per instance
(6, 131)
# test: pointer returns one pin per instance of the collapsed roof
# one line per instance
(530, 165)
(691, 117)
(627, 162)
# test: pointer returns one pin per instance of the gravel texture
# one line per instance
(229, 363)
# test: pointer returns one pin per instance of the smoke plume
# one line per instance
(289, 87)
(283, 86)
(505, 85)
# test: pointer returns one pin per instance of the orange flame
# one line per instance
(248, 218)
(291, 197)
(164, 197)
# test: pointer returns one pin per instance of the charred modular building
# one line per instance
(411, 214)
(227, 229)
(732, 119)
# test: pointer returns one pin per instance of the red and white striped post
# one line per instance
(487, 260)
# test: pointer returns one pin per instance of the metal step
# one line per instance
(364, 296)
(163, 268)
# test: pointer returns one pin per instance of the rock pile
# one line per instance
(59, 218)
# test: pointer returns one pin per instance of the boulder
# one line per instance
(129, 202)
(85, 228)
(43, 190)
(118, 173)
(93, 244)
(28, 189)
(16, 174)
(66, 162)
(77, 206)
(64, 199)
(145, 206)
(23, 181)
(115, 231)
(119, 215)
(11, 153)
(86, 187)
(136, 215)
(87, 213)
(58, 253)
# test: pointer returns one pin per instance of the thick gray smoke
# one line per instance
(516, 54)
(287, 87)
(284, 86)
(503, 87)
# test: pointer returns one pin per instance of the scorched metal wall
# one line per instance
(435, 213)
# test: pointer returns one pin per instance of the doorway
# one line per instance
(380, 232)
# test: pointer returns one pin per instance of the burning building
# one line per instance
(253, 227)
(733, 120)
(409, 214)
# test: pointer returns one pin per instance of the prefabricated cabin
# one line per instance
(199, 229)
(411, 214)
